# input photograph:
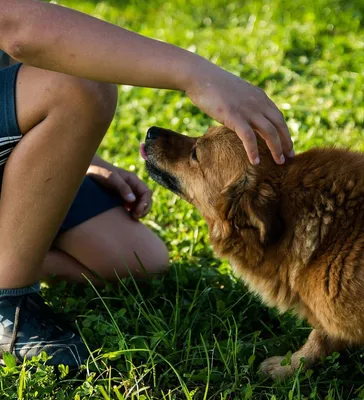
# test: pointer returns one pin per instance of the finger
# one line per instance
(138, 186)
(126, 192)
(269, 133)
(247, 135)
(144, 205)
(143, 193)
(277, 119)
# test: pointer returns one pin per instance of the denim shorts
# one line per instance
(91, 199)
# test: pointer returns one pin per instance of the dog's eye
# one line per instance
(194, 154)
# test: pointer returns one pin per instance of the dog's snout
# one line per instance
(153, 133)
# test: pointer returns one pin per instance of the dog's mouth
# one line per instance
(160, 176)
(143, 152)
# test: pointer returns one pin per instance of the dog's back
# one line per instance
(324, 199)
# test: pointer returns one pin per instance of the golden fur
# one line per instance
(294, 233)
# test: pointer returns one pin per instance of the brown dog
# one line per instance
(294, 233)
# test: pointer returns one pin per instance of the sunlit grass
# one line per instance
(196, 333)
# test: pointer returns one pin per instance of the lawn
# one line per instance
(196, 333)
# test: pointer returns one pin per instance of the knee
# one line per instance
(142, 258)
(94, 101)
(74, 100)
(147, 258)
(157, 258)
(78, 99)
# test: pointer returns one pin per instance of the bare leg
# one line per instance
(106, 244)
(318, 345)
(63, 120)
(60, 266)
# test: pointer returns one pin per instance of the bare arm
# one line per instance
(59, 39)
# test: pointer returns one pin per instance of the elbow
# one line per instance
(19, 30)
(22, 49)
(16, 49)
(19, 41)
(14, 44)
(11, 36)
(22, 33)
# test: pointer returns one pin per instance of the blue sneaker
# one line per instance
(28, 327)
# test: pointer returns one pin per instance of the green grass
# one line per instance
(196, 333)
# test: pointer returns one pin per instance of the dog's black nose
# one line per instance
(153, 133)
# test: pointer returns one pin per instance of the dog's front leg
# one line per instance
(318, 345)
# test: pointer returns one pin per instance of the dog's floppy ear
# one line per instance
(247, 205)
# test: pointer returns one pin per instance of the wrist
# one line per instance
(194, 69)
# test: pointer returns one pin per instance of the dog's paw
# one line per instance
(272, 367)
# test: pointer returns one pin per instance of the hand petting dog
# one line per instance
(243, 108)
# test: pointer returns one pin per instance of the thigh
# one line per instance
(109, 241)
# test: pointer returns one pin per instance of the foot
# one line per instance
(272, 368)
(29, 327)
(319, 345)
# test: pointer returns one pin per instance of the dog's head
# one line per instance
(214, 174)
